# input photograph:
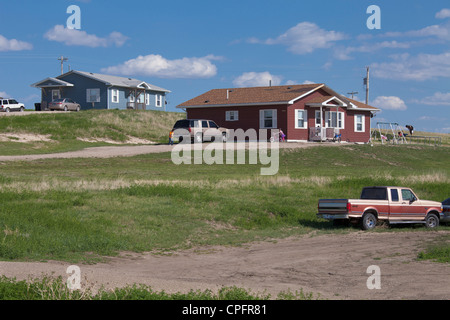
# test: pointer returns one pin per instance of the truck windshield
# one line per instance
(374, 194)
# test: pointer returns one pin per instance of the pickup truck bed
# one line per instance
(391, 204)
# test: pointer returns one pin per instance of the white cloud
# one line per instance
(439, 31)
(256, 79)
(74, 37)
(3, 94)
(158, 66)
(421, 67)
(444, 13)
(343, 53)
(438, 99)
(13, 45)
(389, 103)
(304, 38)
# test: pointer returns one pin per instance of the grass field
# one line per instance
(83, 209)
(62, 132)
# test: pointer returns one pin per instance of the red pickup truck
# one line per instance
(390, 204)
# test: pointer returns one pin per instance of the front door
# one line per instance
(411, 208)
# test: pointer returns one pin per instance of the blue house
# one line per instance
(99, 91)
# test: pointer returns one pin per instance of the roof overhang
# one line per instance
(327, 103)
(56, 83)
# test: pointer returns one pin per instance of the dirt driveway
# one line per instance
(334, 266)
(134, 150)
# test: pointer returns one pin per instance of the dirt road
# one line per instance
(133, 150)
(333, 266)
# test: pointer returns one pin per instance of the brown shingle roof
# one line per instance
(362, 105)
(252, 95)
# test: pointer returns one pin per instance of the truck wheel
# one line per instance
(368, 221)
(432, 221)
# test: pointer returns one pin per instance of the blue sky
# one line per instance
(190, 47)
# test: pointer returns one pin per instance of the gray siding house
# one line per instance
(99, 91)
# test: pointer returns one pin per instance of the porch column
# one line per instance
(321, 124)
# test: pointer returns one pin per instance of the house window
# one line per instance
(56, 94)
(232, 115)
(147, 99)
(359, 123)
(92, 95)
(301, 119)
(131, 97)
(334, 119)
(158, 100)
(115, 95)
(268, 119)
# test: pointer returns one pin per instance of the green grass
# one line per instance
(64, 130)
(438, 251)
(84, 209)
(51, 288)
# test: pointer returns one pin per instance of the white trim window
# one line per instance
(301, 119)
(232, 115)
(159, 100)
(147, 99)
(56, 94)
(92, 95)
(360, 123)
(131, 97)
(334, 119)
(268, 119)
(115, 95)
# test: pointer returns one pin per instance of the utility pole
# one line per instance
(366, 83)
(352, 93)
(62, 59)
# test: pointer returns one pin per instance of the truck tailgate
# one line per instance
(332, 208)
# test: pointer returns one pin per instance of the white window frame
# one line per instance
(232, 115)
(131, 97)
(158, 102)
(147, 99)
(363, 123)
(90, 93)
(304, 118)
(115, 94)
(262, 119)
(339, 119)
(58, 95)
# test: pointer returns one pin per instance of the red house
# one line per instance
(309, 112)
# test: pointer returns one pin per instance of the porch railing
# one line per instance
(322, 134)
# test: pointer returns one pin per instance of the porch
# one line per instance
(329, 118)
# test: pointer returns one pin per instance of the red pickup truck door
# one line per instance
(410, 207)
(395, 205)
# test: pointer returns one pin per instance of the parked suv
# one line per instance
(199, 130)
(7, 105)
